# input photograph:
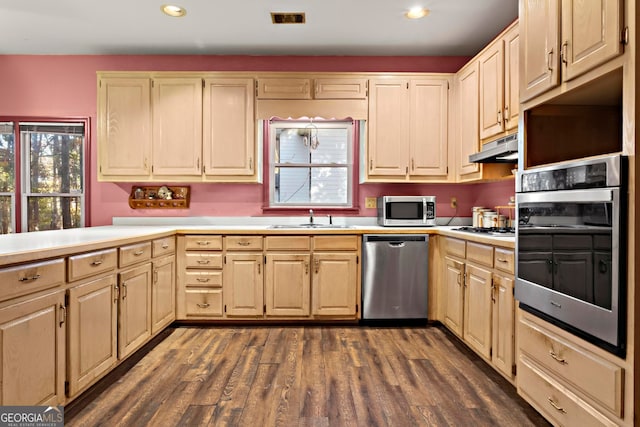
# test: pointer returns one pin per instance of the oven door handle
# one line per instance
(596, 195)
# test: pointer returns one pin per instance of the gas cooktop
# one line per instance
(492, 231)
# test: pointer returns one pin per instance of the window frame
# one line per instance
(20, 197)
(16, 172)
(268, 131)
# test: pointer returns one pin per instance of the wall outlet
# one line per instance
(454, 202)
(370, 202)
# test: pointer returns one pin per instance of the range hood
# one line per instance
(502, 150)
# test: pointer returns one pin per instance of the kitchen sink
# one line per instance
(310, 225)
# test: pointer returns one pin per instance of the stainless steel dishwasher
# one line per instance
(395, 276)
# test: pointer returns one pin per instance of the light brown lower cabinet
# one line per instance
(288, 284)
(92, 332)
(334, 283)
(134, 311)
(243, 287)
(32, 350)
(163, 293)
(478, 303)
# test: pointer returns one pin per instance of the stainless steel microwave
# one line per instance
(406, 211)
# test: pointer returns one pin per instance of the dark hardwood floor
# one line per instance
(308, 376)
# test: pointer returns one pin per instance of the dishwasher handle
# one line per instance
(395, 239)
(397, 244)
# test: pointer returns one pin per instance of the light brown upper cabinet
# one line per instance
(177, 126)
(563, 39)
(408, 129)
(309, 88)
(468, 140)
(228, 135)
(340, 88)
(124, 127)
(283, 88)
(499, 85)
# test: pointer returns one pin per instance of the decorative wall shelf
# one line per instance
(157, 197)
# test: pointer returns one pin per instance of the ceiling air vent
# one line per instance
(288, 17)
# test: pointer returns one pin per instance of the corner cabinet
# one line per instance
(408, 129)
(563, 39)
(478, 303)
(228, 136)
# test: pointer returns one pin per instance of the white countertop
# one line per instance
(23, 247)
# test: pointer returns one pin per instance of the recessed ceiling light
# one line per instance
(417, 12)
(173, 10)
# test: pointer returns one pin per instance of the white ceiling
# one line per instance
(243, 27)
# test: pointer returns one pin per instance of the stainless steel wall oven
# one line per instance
(570, 247)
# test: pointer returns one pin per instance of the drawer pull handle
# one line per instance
(557, 358)
(205, 305)
(96, 263)
(203, 279)
(203, 242)
(63, 317)
(165, 245)
(244, 243)
(138, 253)
(29, 278)
(556, 406)
(203, 261)
(502, 260)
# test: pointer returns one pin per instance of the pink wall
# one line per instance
(65, 86)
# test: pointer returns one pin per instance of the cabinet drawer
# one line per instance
(554, 401)
(287, 243)
(208, 279)
(243, 243)
(203, 302)
(481, 254)
(504, 260)
(27, 278)
(603, 383)
(339, 243)
(163, 246)
(203, 243)
(203, 260)
(92, 263)
(455, 247)
(134, 254)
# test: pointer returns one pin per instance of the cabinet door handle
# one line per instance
(205, 305)
(507, 116)
(250, 163)
(413, 164)
(493, 293)
(557, 358)
(499, 117)
(306, 268)
(116, 293)
(550, 60)
(29, 278)
(124, 290)
(63, 316)
(563, 53)
(370, 164)
(259, 268)
(155, 276)
(316, 262)
(555, 405)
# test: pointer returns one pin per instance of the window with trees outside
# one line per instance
(49, 194)
(311, 163)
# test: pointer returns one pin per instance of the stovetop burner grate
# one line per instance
(496, 231)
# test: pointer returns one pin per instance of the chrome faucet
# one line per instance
(310, 216)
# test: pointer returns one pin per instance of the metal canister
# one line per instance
(489, 219)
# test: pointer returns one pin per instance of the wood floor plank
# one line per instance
(309, 376)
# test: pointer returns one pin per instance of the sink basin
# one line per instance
(309, 225)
